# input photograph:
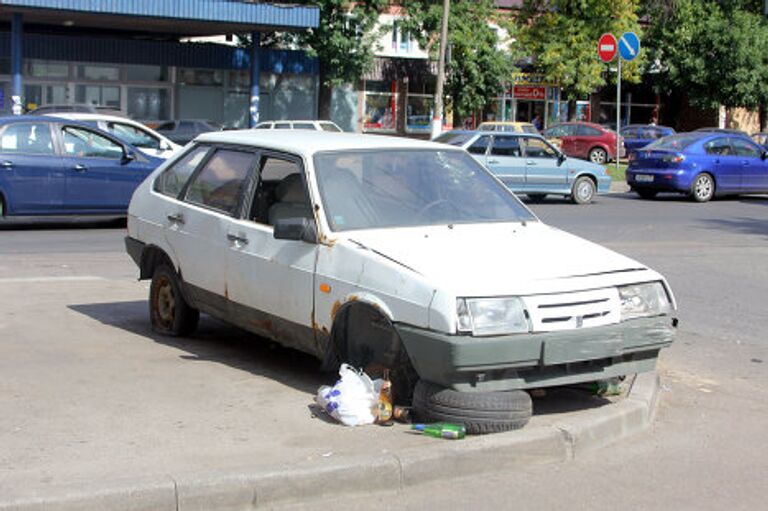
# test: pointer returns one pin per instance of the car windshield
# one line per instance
(674, 142)
(457, 139)
(373, 189)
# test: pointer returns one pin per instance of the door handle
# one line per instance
(745, 162)
(7, 164)
(234, 238)
(80, 168)
(178, 218)
(493, 162)
(530, 162)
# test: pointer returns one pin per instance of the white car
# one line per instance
(299, 125)
(135, 133)
(391, 253)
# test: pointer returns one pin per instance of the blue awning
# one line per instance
(231, 12)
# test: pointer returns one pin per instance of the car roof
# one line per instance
(506, 123)
(582, 123)
(309, 142)
(86, 116)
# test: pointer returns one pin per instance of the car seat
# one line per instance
(292, 200)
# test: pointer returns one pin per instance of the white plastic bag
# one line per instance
(352, 400)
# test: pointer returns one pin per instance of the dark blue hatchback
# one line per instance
(700, 165)
(52, 166)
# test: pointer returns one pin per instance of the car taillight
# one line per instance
(673, 158)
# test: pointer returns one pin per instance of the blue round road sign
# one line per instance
(629, 45)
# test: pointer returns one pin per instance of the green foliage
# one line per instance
(716, 51)
(478, 68)
(562, 37)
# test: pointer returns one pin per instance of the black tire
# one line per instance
(598, 155)
(536, 197)
(169, 312)
(583, 190)
(702, 188)
(644, 193)
(364, 338)
(479, 412)
(2, 207)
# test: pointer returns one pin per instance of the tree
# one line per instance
(561, 36)
(344, 43)
(477, 68)
(716, 51)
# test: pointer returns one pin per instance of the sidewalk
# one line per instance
(101, 414)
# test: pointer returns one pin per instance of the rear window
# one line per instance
(329, 126)
(457, 139)
(303, 126)
(530, 128)
(587, 131)
(673, 142)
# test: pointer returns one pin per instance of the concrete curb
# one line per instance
(247, 488)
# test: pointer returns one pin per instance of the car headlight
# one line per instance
(643, 300)
(491, 316)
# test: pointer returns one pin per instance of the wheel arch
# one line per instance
(151, 257)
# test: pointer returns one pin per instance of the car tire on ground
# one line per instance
(703, 188)
(169, 312)
(2, 207)
(644, 193)
(479, 412)
(536, 197)
(598, 155)
(583, 190)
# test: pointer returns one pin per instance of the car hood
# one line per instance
(501, 258)
(579, 165)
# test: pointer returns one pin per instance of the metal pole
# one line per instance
(618, 112)
(17, 39)
(253, 118)
(437, 115)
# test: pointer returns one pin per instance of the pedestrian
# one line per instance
(536, 121)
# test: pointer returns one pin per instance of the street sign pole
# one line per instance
(618, 114)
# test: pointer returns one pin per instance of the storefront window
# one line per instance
(380, 106)
(38, 95)
(148, 103)
(103, 95)
(419, 113)
(201, 76)
(47, 69)
(138, 73)
(240, 79)
(98, 72)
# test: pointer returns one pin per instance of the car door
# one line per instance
(724, 164)
(754, 169)
(479, 149)
(568, 141)
(100, 177)
(505, 160)
(198, 225)
(270, 281)
(542, 165)
(32, 177)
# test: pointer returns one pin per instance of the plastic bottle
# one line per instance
(441, 430)
(385, 400)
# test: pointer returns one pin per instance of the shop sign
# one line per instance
(526, 92)
(531, 79)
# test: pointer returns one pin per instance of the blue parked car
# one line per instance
(529, 164)
(701, 165)
(637, 136)
(53, 166)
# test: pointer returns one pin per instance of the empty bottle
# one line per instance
(441, 430)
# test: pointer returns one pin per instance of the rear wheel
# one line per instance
(598, 155)
(479, 412)
(646, 194)
(703, 188)
(169, 313)
(536, 197)
(583, 190)
(2, 207)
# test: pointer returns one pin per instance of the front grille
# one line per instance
(566, 311)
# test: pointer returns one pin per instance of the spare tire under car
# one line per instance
(479, 412)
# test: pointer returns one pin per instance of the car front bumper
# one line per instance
(525, 361)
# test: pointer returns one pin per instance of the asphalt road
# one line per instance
(706, 449)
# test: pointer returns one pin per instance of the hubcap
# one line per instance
(585, 191)
(598, 156)
(703, 187)
(165, 303)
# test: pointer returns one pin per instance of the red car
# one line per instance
(586, 140)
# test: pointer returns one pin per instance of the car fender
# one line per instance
(367, 299)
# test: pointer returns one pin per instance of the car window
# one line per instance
(219, 185)
(674, 142)
(280, 193)
(165, 126)
(719, 146)
(480, 145)
(587, 131)
(133, 135)
(630, 133)
(372, 189)
(303, 126)
(744, 147)
(329, 126)
(456, 139)
(89, 144)
(27, 138)
(529, 128)
(173, 179)
(537, 148)
(505, 146)
(562, 130)
(486, 127)
(282, 125)
(263, 126)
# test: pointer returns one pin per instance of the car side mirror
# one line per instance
(297, 229)
(128, 156)
(560, 159)
(764, 155)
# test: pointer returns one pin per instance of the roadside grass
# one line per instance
(617, 175)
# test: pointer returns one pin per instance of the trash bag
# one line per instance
(353, 400)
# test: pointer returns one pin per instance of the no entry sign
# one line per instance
(607, 47)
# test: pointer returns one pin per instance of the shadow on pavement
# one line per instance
(567, 399)
(741, 225)
(218, 342)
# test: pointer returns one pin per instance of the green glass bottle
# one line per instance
(441, 430)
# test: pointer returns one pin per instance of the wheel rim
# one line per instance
(598, 156)
(164, 303)
(584, 191)
(703, 187)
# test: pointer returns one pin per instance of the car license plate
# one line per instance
(644, 178)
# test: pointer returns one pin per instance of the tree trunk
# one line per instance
(324, 98)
